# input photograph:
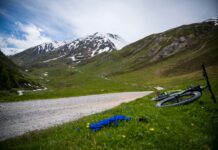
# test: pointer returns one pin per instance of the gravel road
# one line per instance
(17, 118)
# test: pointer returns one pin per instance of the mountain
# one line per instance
(74, 51)
(46, 47)
(92, 45)
(213, 19)
(166, 59)
(176, 51)
(11, 76)
(179, 47)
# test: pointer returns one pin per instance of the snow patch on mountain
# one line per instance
(117, 40)
(73, 58)
(53, 59)
(104, 50)
(213, 19)
(74, 44)
(76, 50)
(50, 46)
(92, 45)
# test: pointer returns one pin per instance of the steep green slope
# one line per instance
(11, 76)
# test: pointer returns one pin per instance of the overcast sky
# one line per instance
(25, 23)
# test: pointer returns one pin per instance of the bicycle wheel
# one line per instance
(164, 96)
(180, 99)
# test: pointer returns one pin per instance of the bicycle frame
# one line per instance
(208, 83)
(200, 89)
(195, 92)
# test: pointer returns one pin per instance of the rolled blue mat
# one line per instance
(97, 126)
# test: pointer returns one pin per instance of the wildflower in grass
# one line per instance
(78, 129)
(151, 129)
(87, 125)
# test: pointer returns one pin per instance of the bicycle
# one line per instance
(186, 96)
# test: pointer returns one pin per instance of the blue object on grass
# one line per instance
(97, 126)
(78, 129)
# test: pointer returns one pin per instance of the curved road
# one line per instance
(17, 118)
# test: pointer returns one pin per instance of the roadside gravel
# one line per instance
(17, 118)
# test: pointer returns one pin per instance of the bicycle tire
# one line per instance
(164, 96)
(194, 96)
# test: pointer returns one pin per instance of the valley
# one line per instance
(164, 59)
(94, 65)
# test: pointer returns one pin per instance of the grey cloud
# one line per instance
(132, 19)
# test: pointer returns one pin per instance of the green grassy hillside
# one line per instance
(174, 52)
(11, 75)
(12, 78)
(8, 73)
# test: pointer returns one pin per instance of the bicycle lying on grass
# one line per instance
(186, 96)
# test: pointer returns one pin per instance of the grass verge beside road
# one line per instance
(192, 126)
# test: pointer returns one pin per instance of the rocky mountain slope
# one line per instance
(74, 51)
